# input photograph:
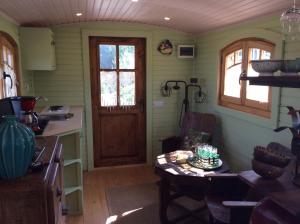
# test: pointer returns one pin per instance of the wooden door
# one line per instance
(118, 100)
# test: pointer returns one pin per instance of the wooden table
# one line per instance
(172, 173)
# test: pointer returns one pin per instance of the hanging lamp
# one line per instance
(290, 22)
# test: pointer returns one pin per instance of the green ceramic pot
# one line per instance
(17, 145)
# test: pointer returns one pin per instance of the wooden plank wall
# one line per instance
(237, 135)
(65, 84)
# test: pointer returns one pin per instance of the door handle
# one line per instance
(142, 105)
(5, 75)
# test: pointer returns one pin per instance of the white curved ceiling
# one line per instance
(192, 16)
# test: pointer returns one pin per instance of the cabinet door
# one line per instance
(38, 48)
(55, 194)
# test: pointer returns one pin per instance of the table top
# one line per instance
(167, 166)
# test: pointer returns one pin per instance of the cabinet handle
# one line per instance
(56, 160)
(64, 210)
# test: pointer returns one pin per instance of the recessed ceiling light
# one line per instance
(79, 14)
(167, 18)
(134, 0)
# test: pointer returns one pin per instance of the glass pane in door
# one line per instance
(107, 56)
(108, 83)
(127, 88)
(126, 57)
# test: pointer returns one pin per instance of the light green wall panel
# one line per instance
(65, 85)
(26, 77)
(240, 132)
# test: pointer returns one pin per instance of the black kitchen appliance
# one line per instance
(10, 106)
(19, 106)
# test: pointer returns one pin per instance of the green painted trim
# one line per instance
(69, 162)
(87, 86)
(276, 38)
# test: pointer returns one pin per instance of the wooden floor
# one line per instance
(95, 182)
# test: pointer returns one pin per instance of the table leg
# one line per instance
(164, 196)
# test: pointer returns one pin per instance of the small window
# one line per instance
(235, 59)
(8, 66)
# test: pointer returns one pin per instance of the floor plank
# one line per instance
(95, 182)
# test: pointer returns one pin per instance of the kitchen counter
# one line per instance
(69, 133)
(62, 127)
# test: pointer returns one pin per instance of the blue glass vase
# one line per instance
(17, 145)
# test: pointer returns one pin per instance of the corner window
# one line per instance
(235, 59)
(8, 66)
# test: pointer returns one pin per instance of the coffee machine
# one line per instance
(29, 117)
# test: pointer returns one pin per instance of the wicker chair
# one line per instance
(202, 122)
(229, 200)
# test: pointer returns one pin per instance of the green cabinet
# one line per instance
(38, 48)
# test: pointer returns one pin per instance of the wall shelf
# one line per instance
(275, 81)
(73, 172)
(69, 190)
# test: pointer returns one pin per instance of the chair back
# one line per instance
(202, 122)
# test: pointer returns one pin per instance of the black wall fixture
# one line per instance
(166, 90)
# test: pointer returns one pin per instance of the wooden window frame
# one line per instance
(7, 41)
(241, 103)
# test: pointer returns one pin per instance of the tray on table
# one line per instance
(195, 162)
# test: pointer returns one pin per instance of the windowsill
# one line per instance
(246, 109)
(269, 123)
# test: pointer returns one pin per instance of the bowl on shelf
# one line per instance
(290, 67)
(266, 67)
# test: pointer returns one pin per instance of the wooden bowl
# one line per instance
(274, 154)
(265, 170)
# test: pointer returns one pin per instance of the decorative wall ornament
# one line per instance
(165, 47)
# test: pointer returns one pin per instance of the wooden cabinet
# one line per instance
(70, 136)
(37, 197)
(38, 48)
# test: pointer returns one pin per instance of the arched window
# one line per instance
(8, 66)
(235, 59)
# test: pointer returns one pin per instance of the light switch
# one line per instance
(158, 103)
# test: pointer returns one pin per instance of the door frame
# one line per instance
(87, 87)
